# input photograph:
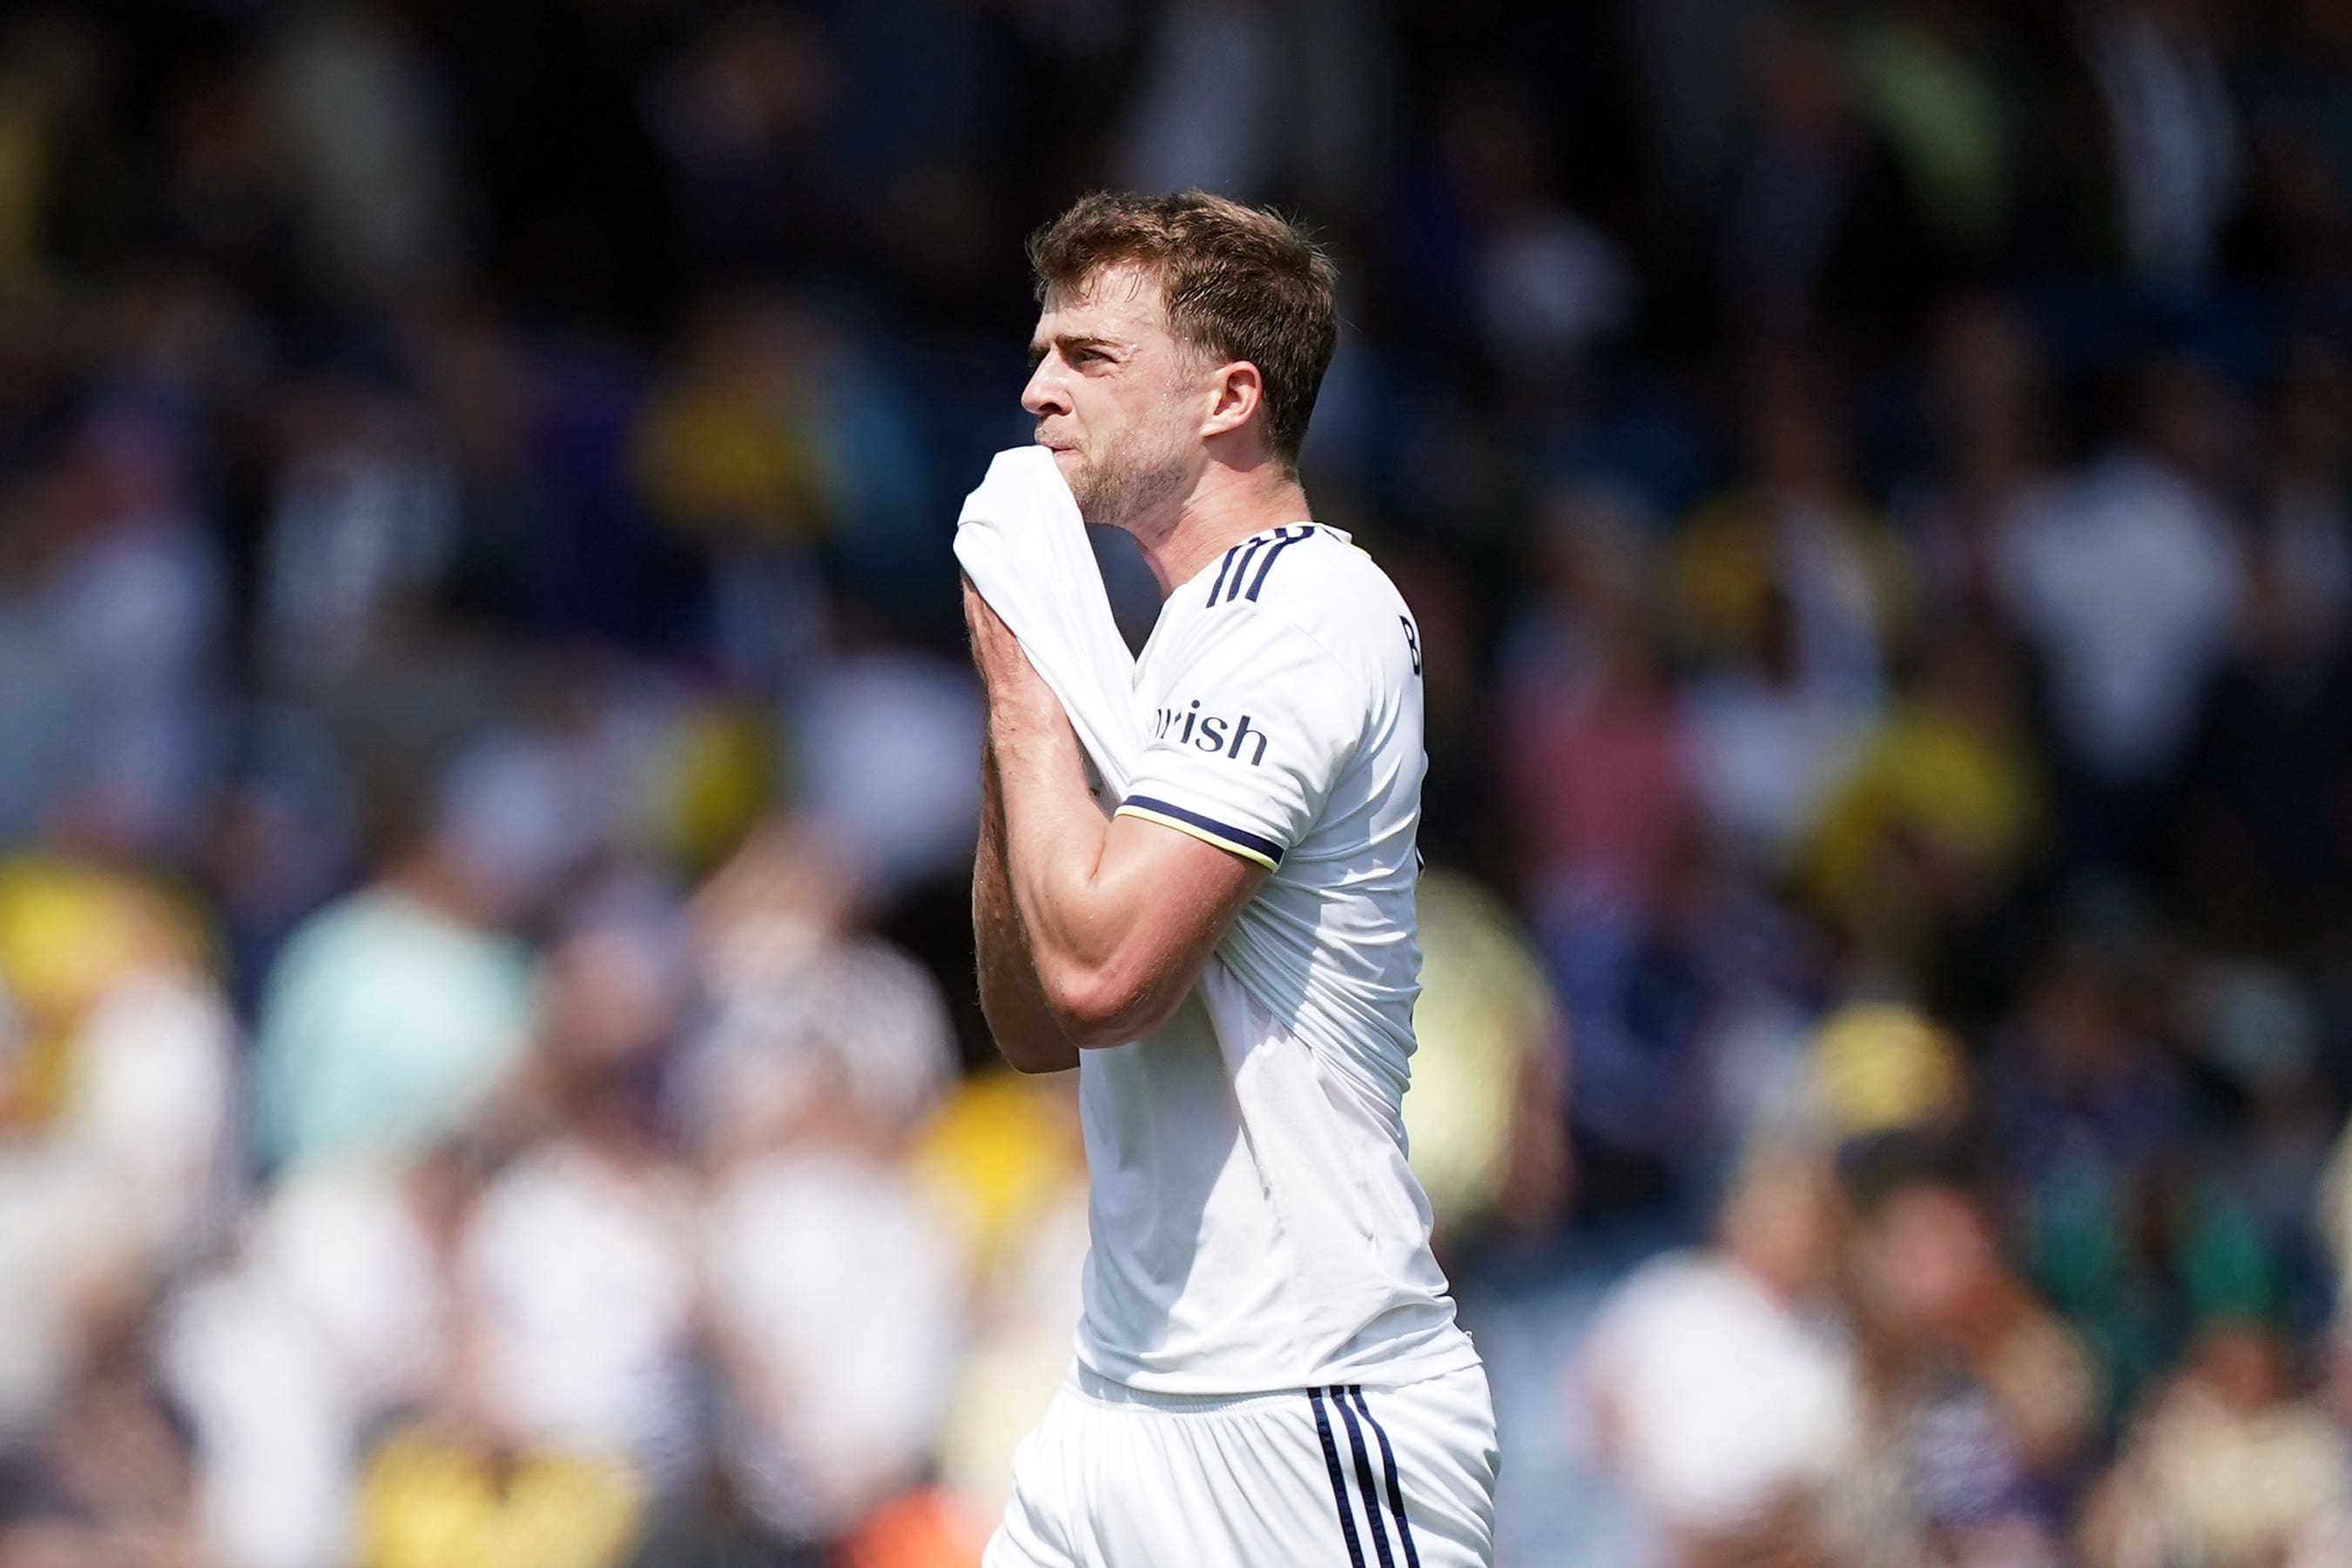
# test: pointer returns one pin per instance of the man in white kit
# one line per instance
(1268, 1370)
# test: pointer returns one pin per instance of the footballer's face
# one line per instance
(1118, 399)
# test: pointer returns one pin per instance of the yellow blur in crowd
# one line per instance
(431, 1501)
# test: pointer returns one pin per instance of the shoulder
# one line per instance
(1312, 583)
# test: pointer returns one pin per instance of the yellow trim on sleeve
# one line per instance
(1203, 834)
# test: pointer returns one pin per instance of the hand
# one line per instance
(1015, 688)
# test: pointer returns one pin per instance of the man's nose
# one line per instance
(1044, 394)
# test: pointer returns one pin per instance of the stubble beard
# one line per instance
(1133, 478)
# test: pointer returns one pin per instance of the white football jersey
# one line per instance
(1256, 1226)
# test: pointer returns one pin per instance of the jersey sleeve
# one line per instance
(1257, 723)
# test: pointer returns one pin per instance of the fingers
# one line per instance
(1012, 684)
(979, 617)
(993, 642)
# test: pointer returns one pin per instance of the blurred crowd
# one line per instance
(490, 1075)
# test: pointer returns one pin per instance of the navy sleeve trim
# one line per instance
(1248, 846)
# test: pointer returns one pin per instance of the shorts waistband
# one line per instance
(1102, 1390)
(1094, 1385)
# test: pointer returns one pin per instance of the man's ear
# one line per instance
(1236, 391)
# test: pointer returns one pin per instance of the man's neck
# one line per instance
(1222, 510)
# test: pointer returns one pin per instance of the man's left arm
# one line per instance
(1120, 914)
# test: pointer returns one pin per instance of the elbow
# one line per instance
(1035, 1056)
(1099, 1006)
(1029, 1041)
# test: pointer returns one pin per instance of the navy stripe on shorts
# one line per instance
(1338, 1482)
(1350, 1398)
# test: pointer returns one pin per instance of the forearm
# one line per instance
(1083, 914)
(1025, 1026)
(1110, 922)
(1054, 837)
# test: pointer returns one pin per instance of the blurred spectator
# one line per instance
(1258, 100)
(456, 1498)
(2176, 141)
(2334, 1217)
(924, 1529)
(1989, 395)
(1982, 1400)
(356, 116)
(117, 1118)
(777, 432)
(1931, 90)
(836, 1376)
(1723, 1388)
(576, 1267)
(2087, 1109)
(557, 1402)
(111, 1483)
(1541, 286)
(1822, 227)
(2299, 141)
(1934, 824)
(397, 1012)
(2306, 532)
(361, 532)
(881, 747)
(1791, 595)
(735, 449)
(1005, 1159)
(2254, 1034)
(2266, 836)
(741, 110)
(1598, 775)
(1641, 988)
(819, 1057)
(2128, 589)
(798, 1009)
(1487, 1127)
(47, 98)
(109, 634)
(330, 1316)
(2228, 1466)
(1879, 1074)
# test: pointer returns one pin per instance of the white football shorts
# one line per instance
(1342, 1477)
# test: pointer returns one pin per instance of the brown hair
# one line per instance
(1238, 282)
